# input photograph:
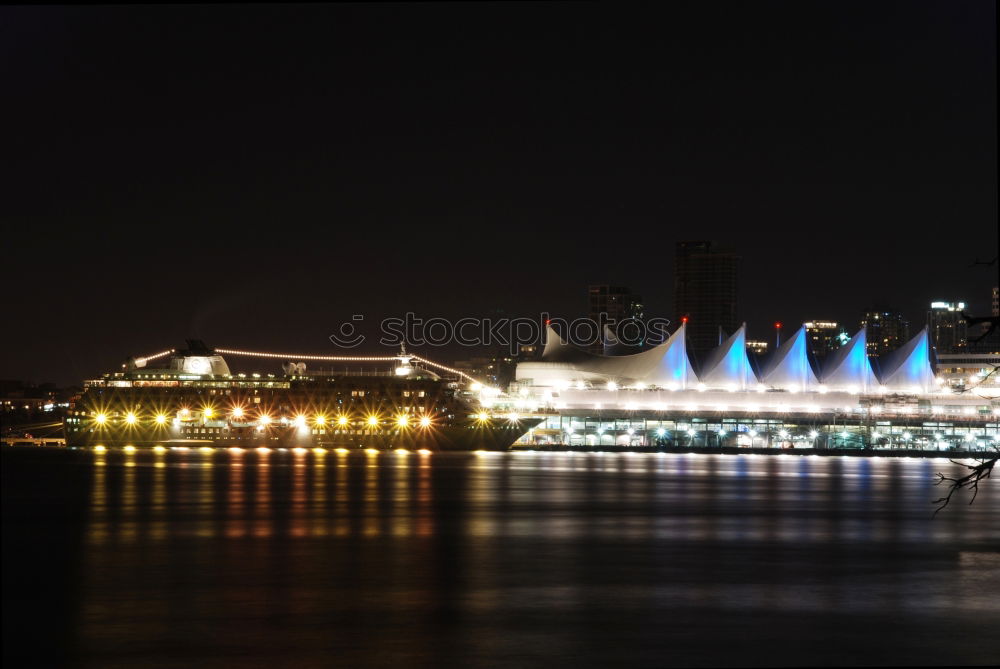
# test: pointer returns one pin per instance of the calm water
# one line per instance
(300, 559)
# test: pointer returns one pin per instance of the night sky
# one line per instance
(253, 176)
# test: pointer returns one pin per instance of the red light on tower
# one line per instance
(684, 320)
(778, 324)
(777, 334)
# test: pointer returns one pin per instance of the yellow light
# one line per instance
(403, 420)
(160, 419)
(99, 449)
(424, 451)
(208, 412)
(371, 451)
(263, 451)
(235, 450)
(129, 449)
(300, 421)
(206, 449)
(159, 449)
(319, 451)
(402, 451)
(341, 451)
(238, 412)
(299, 450)
(373, 420)
(342, 420)
(425, 421)
(130, 418)
(321, 419)
(101, 419)
(265, 419)
(185, 411)
(482, 417)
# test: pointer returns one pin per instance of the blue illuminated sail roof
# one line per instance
(849, 368)
(665, 365)
(789, 368)
(908, 368)
(728, 366)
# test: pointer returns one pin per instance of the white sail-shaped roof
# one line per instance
(908, 368)
(789, 368)
(665, 365)
(848, 368)
(728, 366)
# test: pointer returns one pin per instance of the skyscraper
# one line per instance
(824, 337)
(948, 328)
(887, 330)
(705, 291)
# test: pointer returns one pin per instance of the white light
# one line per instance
(813, 434)
(475, 386)
(660, 432)
(752, 433)
(692, 433)
(630, 432)
(701, 387)
(722, 433)
(640, 386)
(612, 385)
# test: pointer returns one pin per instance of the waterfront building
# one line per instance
(655, 399)
(948, 326)
(706, 282)
(887, 330)
(968, 371)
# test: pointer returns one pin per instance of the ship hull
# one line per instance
(469, 437)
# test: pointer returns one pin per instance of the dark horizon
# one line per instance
(254, 175)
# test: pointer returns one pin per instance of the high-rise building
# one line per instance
(824, 336)
(949, 331)
(612, 305)
(887, 330)
(706, 281)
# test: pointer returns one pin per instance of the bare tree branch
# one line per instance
(970, 481)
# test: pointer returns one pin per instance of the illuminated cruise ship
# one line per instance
(195, 399)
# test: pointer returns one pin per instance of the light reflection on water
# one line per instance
(525, 556)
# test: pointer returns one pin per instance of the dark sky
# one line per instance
(256, 175)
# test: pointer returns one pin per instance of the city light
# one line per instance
(264, 419)
(320, 419)
(101, 419)
(372, 421)
(403, 420)
(161, 419)
(342, 420)
(425, 421)
(131, 418)
(238, 412)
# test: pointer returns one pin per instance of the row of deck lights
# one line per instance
(372, 420)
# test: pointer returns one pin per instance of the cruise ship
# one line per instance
(190, 397)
